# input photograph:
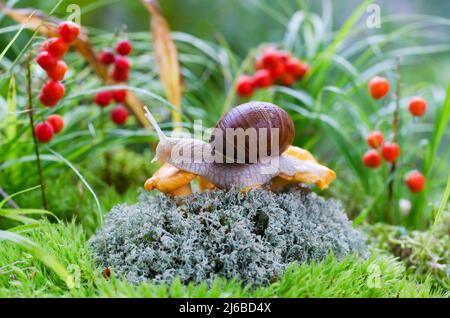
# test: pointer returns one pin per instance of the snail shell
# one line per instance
(273, 132)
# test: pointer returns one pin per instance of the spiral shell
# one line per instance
(253, 131)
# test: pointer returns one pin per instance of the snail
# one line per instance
(250, 146)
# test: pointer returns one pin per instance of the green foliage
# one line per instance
(331, 107)
(76, 202)
(330, 278)
(250, 236)
(442, 120)
(332, 112)
(122, 168)
(39, 253)
(24, 276)
(425, 254)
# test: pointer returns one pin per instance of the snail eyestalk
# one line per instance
(155, 125)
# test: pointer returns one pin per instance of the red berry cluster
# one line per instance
(272, 66)
(121, 70)
(119, 114)
(120, 73)
(50, 59)
(390, 151)
(45, 130)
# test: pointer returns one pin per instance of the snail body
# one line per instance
(274, 133)
(223, 175)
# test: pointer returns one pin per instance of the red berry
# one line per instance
(375, 139)
(120, 75)
(57, 73)
(124, 47)
(119, 95)
(378, 87)
(119, 115)
(122, 63)
(284, 56)
(259, 64)
(53, 90)
(262, 78)
(57, 47)
(245, 86)
(46, 60)
(415, 181)
(69, 31)
(390, 151)
(296, 68)
(271, 58)
(44, 132)
(287, 79)
(57, 122)
(417, 106)
(278, 70)
(372, 159)
(47, 100)
(103, 99)
(107, 56)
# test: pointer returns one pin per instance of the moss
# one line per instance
(251, 236)
(422, 252)
(123, 168)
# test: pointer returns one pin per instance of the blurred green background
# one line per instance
(219, 20)
(415, 31)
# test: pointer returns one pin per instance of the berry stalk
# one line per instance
(395, 129)
(36, 146)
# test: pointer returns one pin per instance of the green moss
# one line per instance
(23, 276)
(123, 168)
(118, 179)
(423, 253)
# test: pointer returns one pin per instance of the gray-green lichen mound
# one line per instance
(250, 236)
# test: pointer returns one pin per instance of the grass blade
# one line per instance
(24, 228)
(3, 202)
(14, 38)
(83, 180)
(441, 206)
(442, 119)
(40, 254)
(16, 214)
(323, 61)
(292, 29)
(11, 102)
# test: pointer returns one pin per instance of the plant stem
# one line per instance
(395, 128)
(36, 146)
(102, 123)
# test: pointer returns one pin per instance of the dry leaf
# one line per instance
(166, 58)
